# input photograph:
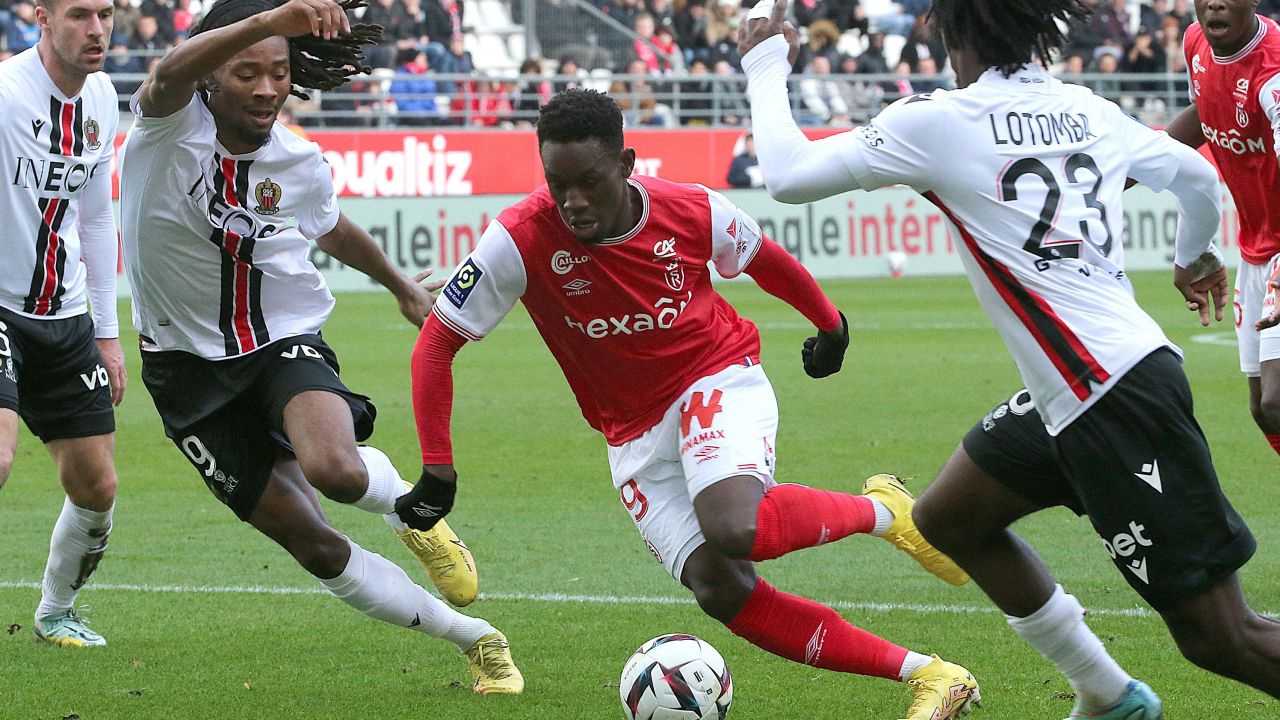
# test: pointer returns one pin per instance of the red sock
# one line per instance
(807, 632)
(1275, 442)
(793, 517)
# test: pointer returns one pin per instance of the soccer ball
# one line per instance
(676, 677)
(897, 261)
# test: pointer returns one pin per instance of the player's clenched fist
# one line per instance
(431, 499)
(322, 18)
(823, 354)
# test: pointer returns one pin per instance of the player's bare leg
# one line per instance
(1218, 631)
(289, 513)
(966, 514)
(795, 628)
(8, 443)
(322, 432)
(86, 468)
(1264, 401)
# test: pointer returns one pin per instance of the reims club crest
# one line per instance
(91, 134)
(268, 195)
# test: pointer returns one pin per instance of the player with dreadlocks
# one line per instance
(1030, 172)
(219, 206)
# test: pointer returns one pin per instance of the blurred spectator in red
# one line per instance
(491, 104)
(183, 19)
(650, 48)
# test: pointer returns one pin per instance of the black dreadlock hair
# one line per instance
(314, 63)
(1007, 34)
(579, 114)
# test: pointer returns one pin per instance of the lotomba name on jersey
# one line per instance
(668, 311)
(1232, 141)
(1024, 128)
(52, 175)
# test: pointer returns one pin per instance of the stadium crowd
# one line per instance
(675, 64)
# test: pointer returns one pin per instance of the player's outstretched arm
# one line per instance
(795, 169)
(170, 86)
(351, 245)
(782, 276)
(431, 371)
(1199, 272)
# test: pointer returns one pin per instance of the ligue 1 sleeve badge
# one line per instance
(267, 194)
(91, 134)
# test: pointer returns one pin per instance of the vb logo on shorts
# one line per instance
(462, 283)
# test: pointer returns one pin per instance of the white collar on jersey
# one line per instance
(1257, 40)
(644, 217)
(1031, 75)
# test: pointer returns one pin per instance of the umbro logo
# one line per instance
(425, 510)
(1150, 475)
(813, 648)
(417, 620)
(35, 127)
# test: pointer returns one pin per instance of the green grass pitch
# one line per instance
(206, 619)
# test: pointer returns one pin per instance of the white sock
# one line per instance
(911, 663)
(385, 484)
(1059, 632)
(378, 588)
(884, 518)
(78, 542)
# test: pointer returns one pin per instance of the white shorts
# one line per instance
(1254, 300)
(722, 426)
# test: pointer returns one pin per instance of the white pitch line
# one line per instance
(927, 609)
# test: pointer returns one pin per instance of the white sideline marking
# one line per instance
(926, 609)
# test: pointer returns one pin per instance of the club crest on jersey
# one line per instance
(268, 196)
(1242, 117)
(92, 139)
(1196, 65)
(462, 283)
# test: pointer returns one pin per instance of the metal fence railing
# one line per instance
(386, 99)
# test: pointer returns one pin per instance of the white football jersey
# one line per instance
(56, 153)
(1031, 170)
(217, 246)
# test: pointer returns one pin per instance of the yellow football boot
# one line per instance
(447, 561)
(903, 532)
(944, 691)
(492, 667)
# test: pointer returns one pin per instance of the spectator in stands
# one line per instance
(1170, 38)
(648, 48)
(353, 105)
(396, 26)
(637, 99)
(902, 86)
(733, 92)
(414, 91)
(872, 60)
(568, 74)
(744, 170)
(454, 61)
(1152, 12)
(821, 95)
(1144, 54)
(690, 24)
(146, 38)
(1107, 62)
(662, 15)
(923, 42)
(162, 11)
(697, 98)
(492, 104)
(846, 14)
(183, 18)
(533, 92)
(929, 78)
(726, 46)
(823, 38)
(23, 32)
(626, 12)
(124, 18)
(891, 17)
(1072, 68)
(863, 99)
(665, 38)
(443, 18)
(1184, 13)
(1269, 8)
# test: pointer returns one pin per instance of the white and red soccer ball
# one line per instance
(676, 677)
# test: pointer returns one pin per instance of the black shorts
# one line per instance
(51, 373)
(227, 416)
(1138, 465)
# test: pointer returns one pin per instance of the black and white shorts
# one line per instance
(1138, 465)
(227, 416)
(51, 373)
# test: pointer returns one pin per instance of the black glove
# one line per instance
(423, 506)
(823, 354)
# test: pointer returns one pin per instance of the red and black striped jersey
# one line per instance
(217, 246)
(55, 155)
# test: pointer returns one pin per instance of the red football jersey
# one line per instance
(633, 320)
(1238, 97)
